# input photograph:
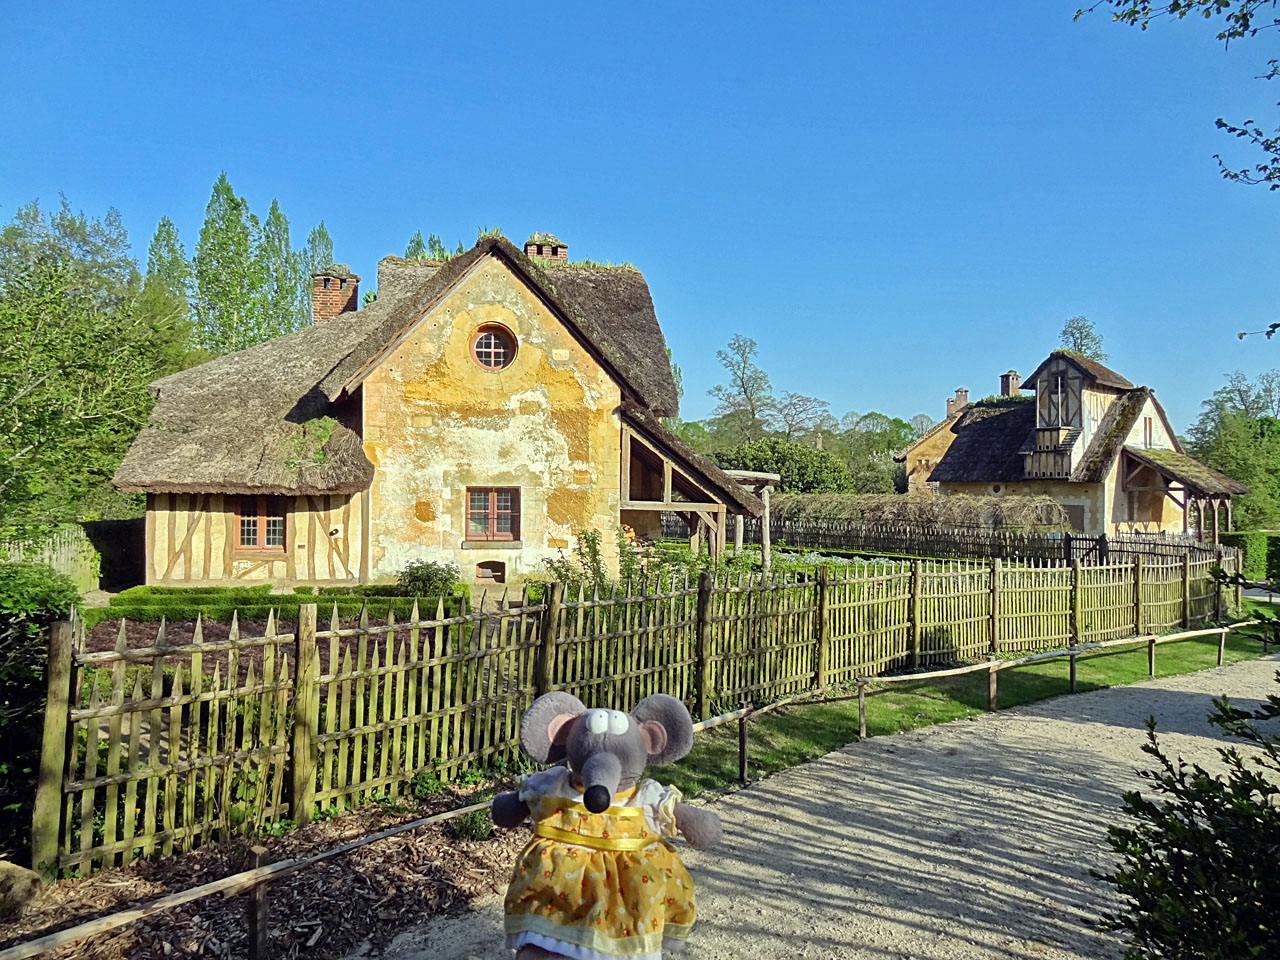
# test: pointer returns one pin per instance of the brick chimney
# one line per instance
(1010, 384)
(545, 246)
(958, 402)
(335, 291)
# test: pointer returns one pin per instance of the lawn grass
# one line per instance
(796, 734)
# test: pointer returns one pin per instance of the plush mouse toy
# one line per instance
(598, 879)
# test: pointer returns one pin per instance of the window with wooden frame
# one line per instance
(1146, 432)
(260, 523)
(493, 346)
(493, 513)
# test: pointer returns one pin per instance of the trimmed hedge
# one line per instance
(178, 604)
(1259, 553)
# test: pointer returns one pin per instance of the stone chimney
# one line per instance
(1010, 384)
(545, 246)
(335, 291)
(958, 402)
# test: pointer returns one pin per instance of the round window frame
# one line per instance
(513, 344)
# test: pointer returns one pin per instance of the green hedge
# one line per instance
(179, 604)
(1259, 553)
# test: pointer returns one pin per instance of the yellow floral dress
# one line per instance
(593, 886)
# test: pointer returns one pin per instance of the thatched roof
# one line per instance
(338, 271)
(1110, 435)
(989, 436)
(1090, 368)
(922, 509)
(1190, 473)
(232, 424)
(700, 468)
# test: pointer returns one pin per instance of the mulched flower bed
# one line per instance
(327, 910)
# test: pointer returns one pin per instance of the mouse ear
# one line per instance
(666, 727)
(544, 728)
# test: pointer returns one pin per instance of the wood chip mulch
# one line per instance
(353, 902)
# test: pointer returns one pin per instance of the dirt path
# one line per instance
(969, 840)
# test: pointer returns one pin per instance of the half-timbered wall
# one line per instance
(193, 538)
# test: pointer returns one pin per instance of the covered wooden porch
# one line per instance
(1202, 496)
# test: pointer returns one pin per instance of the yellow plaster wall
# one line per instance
(1170, 514)
(1089, 496)
(925, 456)
(436, 423)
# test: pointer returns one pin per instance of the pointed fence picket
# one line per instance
(177, 744)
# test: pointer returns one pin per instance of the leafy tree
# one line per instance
(747, 400)
(94, 252)
(1238, 433)
(228, 280)
(73, 379)
(436, 249)
(921, 423)
(283, 278)
(803, 468)
(1197, 860)
(166, 289)
(798, 414)
(1241, 19)
(316, 255)
(1079, 336)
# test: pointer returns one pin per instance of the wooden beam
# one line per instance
(626, 463)
(666, 481)
(676, 506)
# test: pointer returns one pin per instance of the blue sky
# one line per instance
(893, 200)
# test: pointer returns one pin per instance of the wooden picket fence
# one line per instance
(162, 748)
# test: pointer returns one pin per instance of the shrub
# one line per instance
(426, 578)
(475, 826)
(1197, 868)
(32, 596)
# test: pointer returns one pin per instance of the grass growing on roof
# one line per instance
(793, 735)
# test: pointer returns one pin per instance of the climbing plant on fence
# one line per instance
(165, 747)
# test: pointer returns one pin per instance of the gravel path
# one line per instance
(972, 839)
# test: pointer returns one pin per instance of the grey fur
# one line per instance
(535, 737)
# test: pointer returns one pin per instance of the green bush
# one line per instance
(425, 578)
(32, 596)
(475, 826)
(1198, 866)
(1259, 553)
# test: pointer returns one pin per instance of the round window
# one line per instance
(996, 488)
(493, 347)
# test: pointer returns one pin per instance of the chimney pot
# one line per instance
(1010, 384)
(545, 246)
(335, 290)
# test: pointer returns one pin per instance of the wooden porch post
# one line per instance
(766, 558)
(1215, 521)
(738, 523)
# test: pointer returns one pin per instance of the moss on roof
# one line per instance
(1190, 472)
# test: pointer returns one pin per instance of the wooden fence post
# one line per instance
(995, 605)
(544, 676)
(702, 663)
(1138, 618)
(44, 820)
(258, 949)
(1222, 645)
(862, 710)
(1151, 657)
(1071, 675)
(1077, 605)
(913, 611)
(1186, 591)
(303, 754)
(1217, 589)
(823, 676)
(742, 746)
(992, 676)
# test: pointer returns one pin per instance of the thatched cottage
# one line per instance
(483, 410)
(1090, 439)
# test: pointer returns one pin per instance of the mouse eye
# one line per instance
(619, 722)
(597, 721)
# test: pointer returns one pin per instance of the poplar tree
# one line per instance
(280, 268)
(417, 248)
(317, 255)
(225, 274)
(165, 298)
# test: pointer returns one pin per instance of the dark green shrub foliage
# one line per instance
(424, 578)
(1253, 547)
(1197, 870)
(32, 596)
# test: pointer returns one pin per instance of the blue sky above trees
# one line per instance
(891, 201)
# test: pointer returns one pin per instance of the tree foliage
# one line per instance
(803, 468)
(1197, 862)
(1079, 336)
(746, 402)
(1238, 20)
(1238, 433)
